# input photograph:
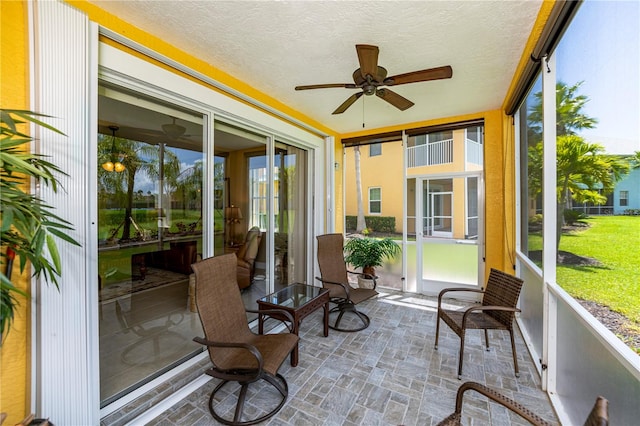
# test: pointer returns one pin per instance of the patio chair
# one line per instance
(237, 354)
(333, 271)
(496, 312)
(599, 415)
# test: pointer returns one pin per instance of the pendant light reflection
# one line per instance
(114, 163)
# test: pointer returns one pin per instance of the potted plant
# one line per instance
(368, 253)
(28, 225)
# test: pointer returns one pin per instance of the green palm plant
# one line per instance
(368, 253)
(28, 224)
(584, 173)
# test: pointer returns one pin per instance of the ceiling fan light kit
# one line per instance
(114, 162)
(371, 78)
(173, 130)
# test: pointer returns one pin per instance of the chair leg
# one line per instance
(237, 417)
(344, 307)
(336, 325)
(461, 354)
(277, 381)
(515, 357)
(437, 330)
(486, 338)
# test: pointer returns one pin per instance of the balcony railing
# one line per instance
(440, 152)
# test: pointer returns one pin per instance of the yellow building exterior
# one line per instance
(15, 352)
(382, 168)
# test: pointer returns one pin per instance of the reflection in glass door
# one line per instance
(290, 233)
(448, 240)
(150, 185)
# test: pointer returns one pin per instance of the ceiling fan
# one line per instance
(371, 78)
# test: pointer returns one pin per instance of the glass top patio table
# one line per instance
(299, 300)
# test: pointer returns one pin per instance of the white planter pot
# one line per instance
(365, 282)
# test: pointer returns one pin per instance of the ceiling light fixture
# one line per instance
(114, 163)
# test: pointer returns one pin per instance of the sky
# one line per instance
(602, 48)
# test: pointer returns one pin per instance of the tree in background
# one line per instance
(361, 224)
(136, 157)
(585, 173)
(570, 117)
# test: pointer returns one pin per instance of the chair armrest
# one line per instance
(252, 349)
(268, 313)
(344, 286)
(501, 399)
(447, 290)
(472, 309)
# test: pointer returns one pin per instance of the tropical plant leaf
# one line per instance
(29, 226)
(53, 252)
(30, 116)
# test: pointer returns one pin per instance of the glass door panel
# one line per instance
(449, 235)
(290, 203)
(245, 173)
(150, 184)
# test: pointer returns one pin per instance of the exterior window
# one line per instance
(375, 149)
(531, 172)
(375, 201)
(258, 191)
(624, 198)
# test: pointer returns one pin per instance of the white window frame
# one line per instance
(379, 200)
(624, 196)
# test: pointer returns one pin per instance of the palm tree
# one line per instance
(361, 224)
(136, 157)
(635, 160)
(190, 186)
(570, 117)
(584, 172)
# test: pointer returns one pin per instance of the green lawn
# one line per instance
(613, 240)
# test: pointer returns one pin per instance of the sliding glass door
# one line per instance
(150, 227)
(164, 204)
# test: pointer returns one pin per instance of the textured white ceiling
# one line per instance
(274, 46)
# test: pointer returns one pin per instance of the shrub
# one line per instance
(374, 223)
(573, 216)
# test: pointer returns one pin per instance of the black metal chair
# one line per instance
(333, 271)
(496, 312)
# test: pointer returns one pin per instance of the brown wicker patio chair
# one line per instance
(496, 312)
(237, 354)
(333, 271)
(599, 415)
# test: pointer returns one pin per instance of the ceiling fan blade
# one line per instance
(394, 99)
(346, 104)
(368, 58)
(417, 76)
(327, 86)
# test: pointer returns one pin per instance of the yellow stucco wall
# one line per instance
(14, 86)
(383, 171)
